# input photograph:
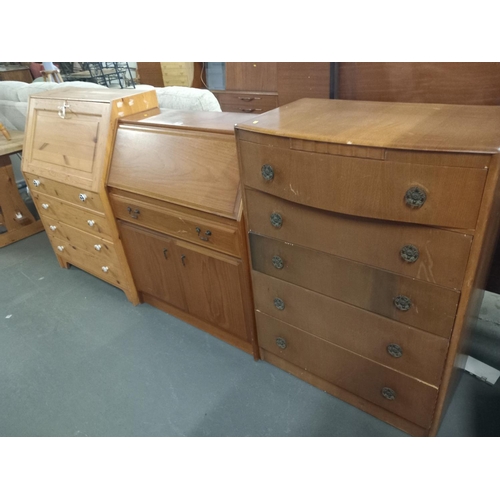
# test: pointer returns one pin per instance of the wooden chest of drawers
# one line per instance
(175, 190)
(371, 228)
(66, 157)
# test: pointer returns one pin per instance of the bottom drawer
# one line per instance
(99, 266)
(398, 393)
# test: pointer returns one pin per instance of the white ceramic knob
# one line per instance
(98, 247)
(82, 197)
(60, 248)
(45, 206)
(53, 228)
(90, 223)
(36, 183)
(105, 268)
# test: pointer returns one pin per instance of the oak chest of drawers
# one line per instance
(371, 228)
(175, 191)
(69, 136)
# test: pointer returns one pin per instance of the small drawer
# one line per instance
(422, 305)
(91, 222)
(77, 196)
(398, 346)
(398, 393)
(241, 102)
(195, 229)
(380, 189)
(80, 240)
(97, 265)
(422, 252)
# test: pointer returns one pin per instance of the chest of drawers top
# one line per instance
(180, 157)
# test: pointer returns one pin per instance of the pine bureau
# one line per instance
(67, 148)
(371, 227)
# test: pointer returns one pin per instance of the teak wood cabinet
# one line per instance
(371, 228)
(257, 87)
(67, 148)
(175, 190)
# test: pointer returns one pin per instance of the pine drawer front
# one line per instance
(80, 239)
(389, 190)
(196, 229)
(411, 351)
(422, 305)
(98, 265)
(86, 220)
(425, 253)
(402, 395)
(78, 196)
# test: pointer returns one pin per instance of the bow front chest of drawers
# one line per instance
(371, 227)
(68, 143)
(175, 190)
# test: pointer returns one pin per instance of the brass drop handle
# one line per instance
(165, 250)
(208, 233)
(183, 259)
(248, 99)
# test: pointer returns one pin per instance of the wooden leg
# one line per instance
(15, 215)
(63, 263)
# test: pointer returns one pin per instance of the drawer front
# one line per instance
(423, 194)
(246, 100)
(408, 397)
(425, 253)
(80, 240)
(77, 196)
(423, 305)
(245, 108)
(406, 349)
(88, 221)
(98, 265)
(195, 229)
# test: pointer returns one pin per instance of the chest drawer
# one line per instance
(197, 229)
(80, 239)
(72, 215)
(98, 265)
(398, 346)
(246, 102)
(402, 395)
(423, 305)
(423, 194)
(426, 253)
(77, 196)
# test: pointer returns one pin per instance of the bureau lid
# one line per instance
(96, 94)
(184, 162)
(413, 126)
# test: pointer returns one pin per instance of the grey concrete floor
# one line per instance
(77, 359)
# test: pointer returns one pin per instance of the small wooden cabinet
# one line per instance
(66, 155)
(175, 191)
(371, 228)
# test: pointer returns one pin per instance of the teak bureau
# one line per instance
(67, 148)
(371, 228)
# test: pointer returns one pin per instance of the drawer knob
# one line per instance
(82, 197)
(278, 262)
(98, 247)
(276, 220)
(395, 350)
(105, 269)
(281, 342)
(36, 183)
(60, 248)
(45, 206)
(389, 393)
(279, 304)
(267, 172)
(409, 253)
(402, 302)
(91, 223)
(53, 228)
(415, 197)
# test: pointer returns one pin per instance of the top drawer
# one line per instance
(246, 102)
(424, 194)
(82, 197)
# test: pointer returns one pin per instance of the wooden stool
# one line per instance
(14, 214)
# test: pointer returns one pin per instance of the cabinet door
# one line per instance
(212, 285)
(151, 257)
(254, 76)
